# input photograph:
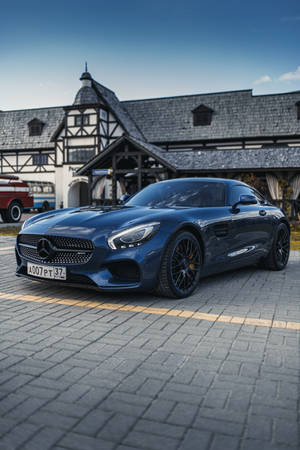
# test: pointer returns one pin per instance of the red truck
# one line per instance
(14, 198)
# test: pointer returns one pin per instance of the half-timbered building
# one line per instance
(228, 134)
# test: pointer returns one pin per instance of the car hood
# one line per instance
(89, 221)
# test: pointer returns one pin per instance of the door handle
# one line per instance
(262, 212)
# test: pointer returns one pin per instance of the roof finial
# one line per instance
(86, 67)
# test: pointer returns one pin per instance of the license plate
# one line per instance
(50, 272)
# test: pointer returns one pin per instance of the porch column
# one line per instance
(90, 184)
(114, 180)
(139, 172)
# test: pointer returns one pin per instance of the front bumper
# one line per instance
(134, 269)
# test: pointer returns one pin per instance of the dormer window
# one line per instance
(298, 110)
(202, 115)
(35, 127)
(82, 119)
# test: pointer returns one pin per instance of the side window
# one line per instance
(237, 191)
(260, 199)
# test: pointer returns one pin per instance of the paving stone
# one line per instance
(151, 387)
(159, 428)
(255, 444)
(49, 419)
(91, 424)
(66, 409)
(259, 427)
(159, 410)
(19, 435)
(75, 441)
(151, 441)
(117, 427)
(183, 414)
(222, 442)
(10, 401)
(25, 409)
(219, 427)
(286, 432)
(196, 439)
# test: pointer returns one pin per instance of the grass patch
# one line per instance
(9, 231)
(295, 240)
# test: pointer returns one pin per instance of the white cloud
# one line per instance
(263, 79)
(290, 76)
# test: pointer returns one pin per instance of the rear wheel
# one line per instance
(278, 256)
(45, 207)
(14, 212)
(180, 266)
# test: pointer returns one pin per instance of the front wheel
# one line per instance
(279, 254)
(14, 212)
(180, 266)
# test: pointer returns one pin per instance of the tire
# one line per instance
(14, 212)
(278, 256)
(180, 266)
(44, 208)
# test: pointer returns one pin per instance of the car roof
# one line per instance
(208, 180)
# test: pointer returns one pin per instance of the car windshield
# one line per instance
(180, 193)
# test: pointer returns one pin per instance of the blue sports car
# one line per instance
(163, 239)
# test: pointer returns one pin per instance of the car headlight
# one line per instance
(133, 236)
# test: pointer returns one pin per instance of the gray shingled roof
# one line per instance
(237, 114)
(120, 112)
(208, 159)
(86, 95)
(14, 133)
(102, 158)
(258, 158)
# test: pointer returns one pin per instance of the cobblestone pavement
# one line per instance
(78, 375)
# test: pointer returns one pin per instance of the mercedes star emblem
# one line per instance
(45, 249)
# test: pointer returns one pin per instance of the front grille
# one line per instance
(66, 250)
(60, 242)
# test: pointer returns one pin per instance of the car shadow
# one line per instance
(217, 283)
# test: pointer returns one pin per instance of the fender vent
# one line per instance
(221, 229)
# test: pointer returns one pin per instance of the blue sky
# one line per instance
(144, 49)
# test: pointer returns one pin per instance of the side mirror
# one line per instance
(124, 198)
(245, 200)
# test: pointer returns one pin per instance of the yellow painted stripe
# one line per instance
(268, 323)
(6, 248)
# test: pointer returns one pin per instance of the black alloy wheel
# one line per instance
(283, 246)
(279, 254)
(180, 267)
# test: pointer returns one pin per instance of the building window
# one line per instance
(40, 160)
(103, 114)
(202, 115)
(81, 154)
(82, 119)
(35, 127)
(298, 110)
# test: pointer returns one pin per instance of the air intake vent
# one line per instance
(221, 229)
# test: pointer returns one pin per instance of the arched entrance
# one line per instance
(78, 194)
